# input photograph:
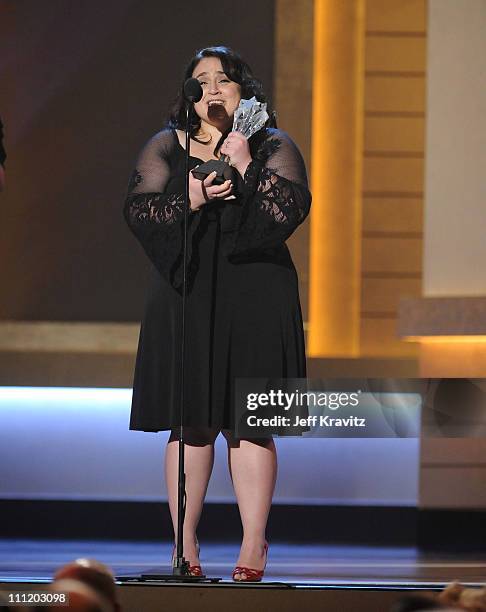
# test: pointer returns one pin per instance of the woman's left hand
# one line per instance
(237, 149)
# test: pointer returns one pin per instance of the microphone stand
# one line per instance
(180, 567)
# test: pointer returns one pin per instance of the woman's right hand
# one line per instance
(196, 195)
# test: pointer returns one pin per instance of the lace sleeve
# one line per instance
(153, 216)
(276, 198)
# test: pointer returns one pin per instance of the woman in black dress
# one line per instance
(243, 317)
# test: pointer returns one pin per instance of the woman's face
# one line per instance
(220, 95)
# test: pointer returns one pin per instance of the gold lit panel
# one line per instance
(393, 94)
(379, 338)
(395, 54)
(395, 15)
(383, 294)
(337, 120)
(390, 174)
(368, 126)
(403, 135)
(393, 215)
(393, 169)
(399, 256)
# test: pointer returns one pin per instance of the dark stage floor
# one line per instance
(36, 560)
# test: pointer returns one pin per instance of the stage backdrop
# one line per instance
(83, 86)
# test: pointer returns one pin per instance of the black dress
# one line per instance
(243, 310)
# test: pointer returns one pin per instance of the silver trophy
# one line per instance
(249, 117)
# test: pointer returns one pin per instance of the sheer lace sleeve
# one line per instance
(276, 198)
(153, 216)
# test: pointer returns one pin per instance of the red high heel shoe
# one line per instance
(194, 570)
(252, 575)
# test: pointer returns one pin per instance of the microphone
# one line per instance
(192, 90)
(193, 93)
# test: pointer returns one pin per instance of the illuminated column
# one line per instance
(337, 117)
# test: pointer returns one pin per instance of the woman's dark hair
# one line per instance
(237, 70)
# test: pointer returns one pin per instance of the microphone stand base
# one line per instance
(155, 576)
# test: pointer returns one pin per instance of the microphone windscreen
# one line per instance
(192, 90)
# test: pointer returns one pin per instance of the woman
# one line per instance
(243, 311)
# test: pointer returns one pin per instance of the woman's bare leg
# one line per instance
(198, 462)
(253, 469)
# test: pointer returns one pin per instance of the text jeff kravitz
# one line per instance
(309, 421)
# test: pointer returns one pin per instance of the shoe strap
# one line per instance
(254, 573)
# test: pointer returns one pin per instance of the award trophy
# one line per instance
(249, 117)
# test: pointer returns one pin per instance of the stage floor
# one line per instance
(319, 565)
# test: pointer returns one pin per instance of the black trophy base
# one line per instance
(223, 171)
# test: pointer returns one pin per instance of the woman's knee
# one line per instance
(234, 442)
(195, 436)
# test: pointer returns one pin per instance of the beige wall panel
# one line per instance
(395, 94)
(453, 450)
(293, 71)
(67, 368)
(373, 367)
(453, 487)
(455, 215)
(383, 294)
(398, 134)
(396, 15)
(378, 337)
(392, 174)
(292, 97)
(395, 54)
(392, 255)
(453, 359)
(392, 215)
(393, 168)
(67, 337)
